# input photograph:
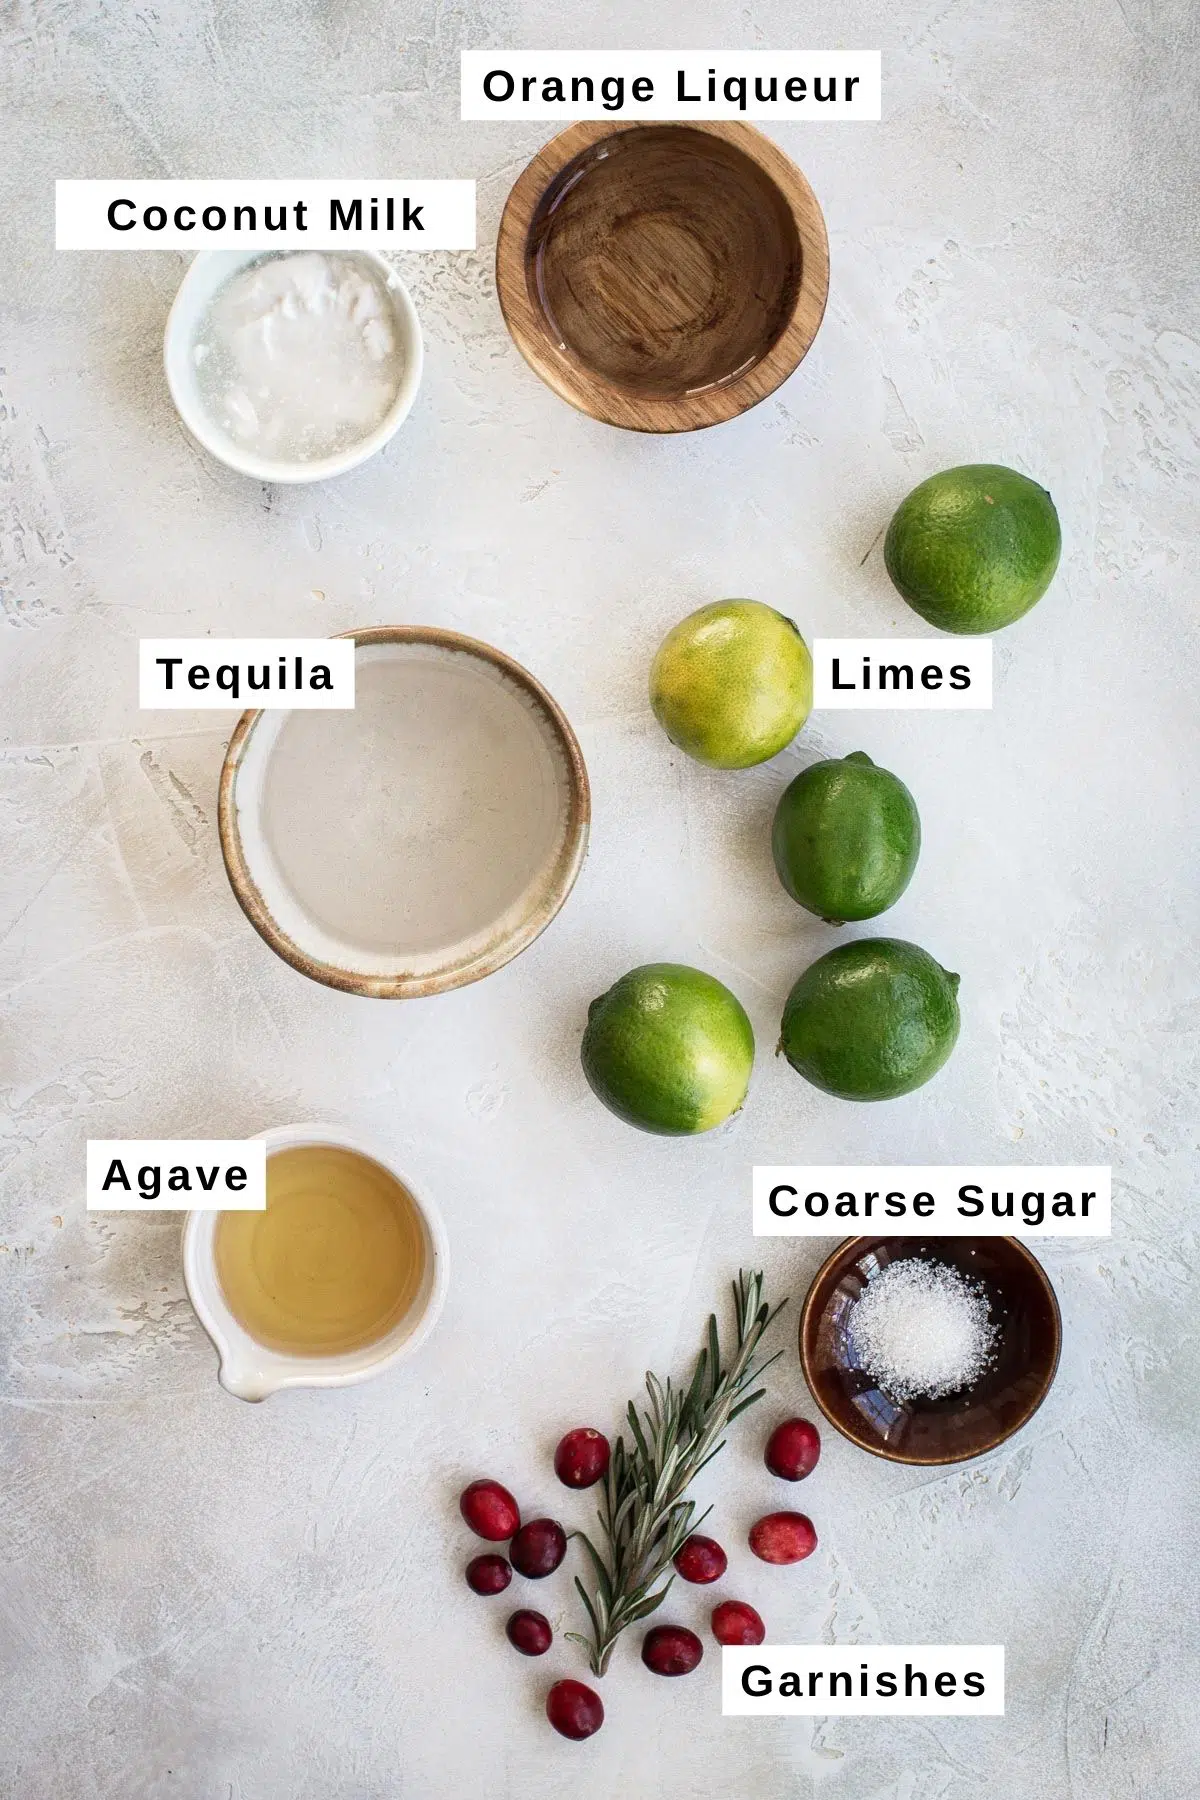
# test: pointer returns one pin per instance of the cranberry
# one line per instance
(529, 1632)
(538, 1548)
(793, 1449)
(733, 1622)
(574, 1710)
(783, 1537)
(490, 1510)
(488, 1574)
(581, 1458)
(701, 1559)
(671, 1650)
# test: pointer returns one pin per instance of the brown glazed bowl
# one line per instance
(962, 1425)
(662, 277)
(419, 840)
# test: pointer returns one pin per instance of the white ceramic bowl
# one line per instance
(210, 271)
(419, 841)
(249, 1369)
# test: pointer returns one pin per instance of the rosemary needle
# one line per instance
(644, 1515)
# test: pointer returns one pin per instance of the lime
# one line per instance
(974, 548)
(669, 1048)
(732, 683)
(846, 838)
(871, 1020)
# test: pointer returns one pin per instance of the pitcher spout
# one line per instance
(244, 1383)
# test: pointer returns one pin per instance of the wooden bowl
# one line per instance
(662, 277)
(962, 1425)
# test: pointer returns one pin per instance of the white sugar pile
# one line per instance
(922, 1329)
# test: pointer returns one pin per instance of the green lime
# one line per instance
(732, 683)
(974, 548)
(669, 1048)
(871, 1020)
(846, 839)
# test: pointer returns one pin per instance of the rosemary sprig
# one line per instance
(644, 1517)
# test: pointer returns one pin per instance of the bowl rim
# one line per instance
(872, 1445)
(402, 985)
(606, 401)
(277, 470)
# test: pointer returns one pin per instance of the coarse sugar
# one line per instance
(922, 1329)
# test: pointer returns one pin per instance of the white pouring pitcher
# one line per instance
(251, 1370)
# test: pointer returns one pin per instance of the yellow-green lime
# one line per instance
(871, 1020)
(846, 838)
(669, 1049)
(974, 548)
(732, 683)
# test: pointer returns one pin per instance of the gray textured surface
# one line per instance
(205, 1600)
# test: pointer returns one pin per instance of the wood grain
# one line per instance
(662, 277)
(980, 1417)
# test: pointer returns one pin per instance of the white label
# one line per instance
(176, 1174)
(671, 84)
(297, 673)
(878, 674)
(267, 215)
(1018, 1200)
(905, 1680)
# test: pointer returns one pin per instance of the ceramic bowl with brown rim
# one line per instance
(422, 839)
(977, 1418)
(662, 277)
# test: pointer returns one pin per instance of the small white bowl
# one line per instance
(249, 1369)
(209, 272)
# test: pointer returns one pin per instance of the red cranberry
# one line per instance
(783, 1537)
(488, 1574)
(538, 1548)
(701, 1559)
(733, 1622)
(581, 1458)
(529, 1632)
(490, 1510)
(671, 1650)
(574, 1710)
(793, 1449)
